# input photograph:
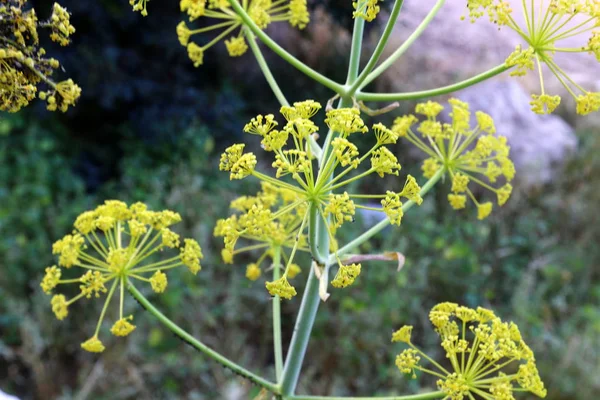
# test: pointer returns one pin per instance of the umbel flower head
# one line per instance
(262, 12)
(469, 155)
(547, 24)
(110, 247)
(23, 62)
(478, 346)
(278, 215)
(270, 222)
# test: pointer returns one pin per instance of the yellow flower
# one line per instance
(366, 9)
(123, 327)
(159, 282)
(447, 147)
(196, 54)
(546, 26)
(139, 5)
(293, 270)
(281, 287)
(92, 284)
(236, 46)
(299, 16)
(392, 206)
(341, 208)
(60, 25)
(457, 201)
(478, 345)
(112, 256)
(60, 306)
(384, 162)
(51, 279)
(262, 13)
(277, 216)
(346, 275)
(403, 334)
(484, 210)
(191, 254)
(93, 345)
(253, 271)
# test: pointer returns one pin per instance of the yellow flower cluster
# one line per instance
(546, 25)
(302, 191)
(469, 155)
(366, 9)
(478, 346)
(23, 64)
(114, 244)
(262, 12)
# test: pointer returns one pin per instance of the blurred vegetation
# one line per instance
(141, 135)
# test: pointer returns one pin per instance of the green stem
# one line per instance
(264, 67)
(379, 48)
(311, 73)
(318, 236)
(277, 342)
(355, 50)
(302, 330)
(423, 396)
(409, 41)
(367, 96)
(199, 345)
(384, 223)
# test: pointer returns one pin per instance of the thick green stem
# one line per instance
(384, 223)
(272, 387)
(311, 73)
(405, 46)
(366, 96)
(379, 49)
(423, 396)
(277, 345)
(319, 235)
(302, 330)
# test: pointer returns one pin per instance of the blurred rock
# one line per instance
(451, 50)
(539, 143)
(4, 396)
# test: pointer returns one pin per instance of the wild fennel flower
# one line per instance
(23, 62)
(468, 154)
(262, 12)
(305, 190)
(366, 9)
(547, 25)
(111, 246)
(478, 346)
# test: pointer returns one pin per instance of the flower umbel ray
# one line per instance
(111, 246)
(262, 12)
(547, 24)
(478, 346)
(277, 216)
(468, 154)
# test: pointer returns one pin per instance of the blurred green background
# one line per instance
(150, 127)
